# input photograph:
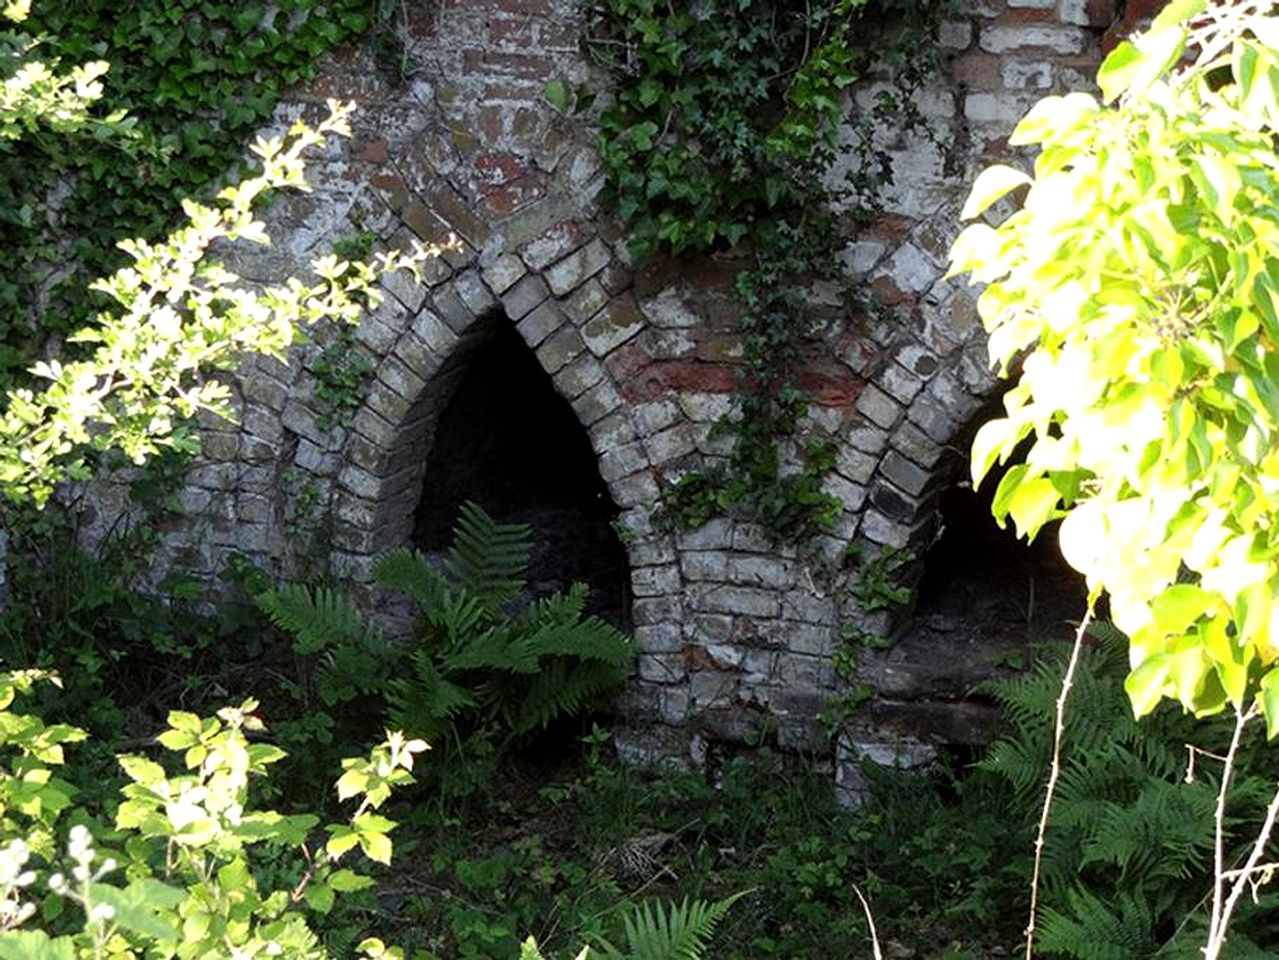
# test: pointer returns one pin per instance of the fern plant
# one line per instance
(1129, 844)
(484, 667)
(659, 931)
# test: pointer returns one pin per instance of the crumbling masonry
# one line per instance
(736, 636)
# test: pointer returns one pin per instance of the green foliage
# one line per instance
(670, 932)
(341, 379)
(481, 671)
(656, 931)
(178, 877)
(1134, 289)
(1129, 846)
(194, 80)
(175, 319)
(721, 135)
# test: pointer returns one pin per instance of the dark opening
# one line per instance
(509, 442)
(982, 581)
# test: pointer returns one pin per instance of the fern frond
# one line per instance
(408, 572)
(591, 640)
(561, 689)
(494, 649)
(683, 932)
(426, 703)
(318, 619)
(1091, 929)
(565, 606)
(488, 559)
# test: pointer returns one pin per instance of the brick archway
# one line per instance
(736, 635)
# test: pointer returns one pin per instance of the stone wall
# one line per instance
(736, 636)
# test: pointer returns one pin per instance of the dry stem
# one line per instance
(1054, 771)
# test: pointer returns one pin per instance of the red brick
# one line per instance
(393, 190)
(979, 71)
(656, 274)
(887, 292)
(624, 363)
(891, 228)
(497, 169)
(509, 32)
(490, 63)
(829, 389)
(371, 151)
(531, 8)
(1027, 15)
(668, 377)
(719, 348)
(504, 201)
(698, 658)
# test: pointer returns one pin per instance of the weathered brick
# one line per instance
(579, 376)
(559, 349)
(541, 323)
(556, 243)
(503, 273)
(655, 581)
(522, 298)
(748, 601)
(1058, 39)
(613, 326)
(878, 407)
(575, 269)
(472, 291)
(596, 403)
(909, 476)
(586, 301)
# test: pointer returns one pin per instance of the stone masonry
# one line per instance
(735, 636)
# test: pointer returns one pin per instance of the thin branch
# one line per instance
(1243, 877)
(1216, 933)
(870, 919)
(1054, 771)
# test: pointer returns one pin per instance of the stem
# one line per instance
(870, 919)
(1242, 876)
(1216, 921)
(1054, 771)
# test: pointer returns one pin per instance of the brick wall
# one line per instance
(736, 636)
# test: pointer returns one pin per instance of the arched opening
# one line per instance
(986, 587)
(507, 441)
(983, 601)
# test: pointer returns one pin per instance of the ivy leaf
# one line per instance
(558, 95)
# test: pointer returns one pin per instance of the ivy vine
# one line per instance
(728, 116)
(196, 78)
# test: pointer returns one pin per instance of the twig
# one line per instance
(1215, 932)
(1242, 877)
(1054, 771)
(874, 937)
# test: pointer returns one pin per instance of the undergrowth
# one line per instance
(558, 841)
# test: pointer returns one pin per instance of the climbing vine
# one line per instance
(194, 79)
(728, 116)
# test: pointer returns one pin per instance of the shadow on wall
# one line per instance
(507, 441)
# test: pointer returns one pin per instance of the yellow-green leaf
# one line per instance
(992, 184)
